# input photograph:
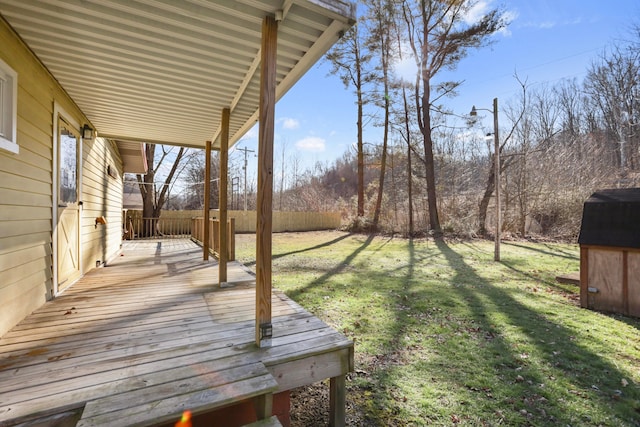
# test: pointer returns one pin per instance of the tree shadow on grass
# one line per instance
(473, 353)
(488, 359)
(558, 362)
(341, 266)
(539, 248)
(310, 248)
(570, 291)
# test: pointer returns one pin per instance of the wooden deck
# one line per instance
(151, 335)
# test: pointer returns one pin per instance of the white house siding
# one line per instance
(26, 190)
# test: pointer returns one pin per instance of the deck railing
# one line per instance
(197, 233)
(157, 228)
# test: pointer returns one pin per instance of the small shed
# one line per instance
(610, 252)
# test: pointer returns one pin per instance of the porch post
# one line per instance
(207, 191)
(223, 245)
(266, 118)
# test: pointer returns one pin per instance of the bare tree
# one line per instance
(283, 170)
(194, 179)
(349, 60)
(153, 194)
(613, 85)
(382, 25)
(440, 37)
(504, 164)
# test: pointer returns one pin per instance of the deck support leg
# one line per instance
(264, 406)
(337, 401)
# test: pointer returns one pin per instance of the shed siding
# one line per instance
(633, 275)
(26, 189)
(606, 275)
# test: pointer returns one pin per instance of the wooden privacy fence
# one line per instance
(245, 221)
(287, 221)
(197, 234)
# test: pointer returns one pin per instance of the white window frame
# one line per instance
(8, 108)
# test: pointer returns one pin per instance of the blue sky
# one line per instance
(547, 40)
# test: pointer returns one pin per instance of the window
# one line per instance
(8, 108)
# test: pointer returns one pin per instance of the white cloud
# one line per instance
(544, 25)
(476, 12)
(311, 143)
(547, 25)
(289, 123)
(481, 8)
(509, 17)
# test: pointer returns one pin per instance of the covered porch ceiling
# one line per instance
(161, 71)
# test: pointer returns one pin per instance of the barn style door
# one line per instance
(68, 227)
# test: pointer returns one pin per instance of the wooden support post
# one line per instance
(223, 251)
(207, 201)
(232, 239)
(266, 117)
(264, 406)
(337, 401)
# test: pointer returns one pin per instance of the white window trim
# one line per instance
(10, 143)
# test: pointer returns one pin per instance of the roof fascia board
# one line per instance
(340, 10)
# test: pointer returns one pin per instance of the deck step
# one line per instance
(569, 279)
(269, 422)
(166, 402)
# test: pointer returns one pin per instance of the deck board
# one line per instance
(204, 389)
(154, 328)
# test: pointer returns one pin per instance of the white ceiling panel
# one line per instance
(163, 70)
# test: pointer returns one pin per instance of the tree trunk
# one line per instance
(148, 193)
(360, 138)
(434, 220)
(153, 200)
(409, 167)
(486, 198)
(384, 58)
(383, 163)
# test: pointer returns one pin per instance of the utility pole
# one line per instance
(496, 148)
(246, 151)
(496, 175)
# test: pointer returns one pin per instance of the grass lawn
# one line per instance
(446, 336)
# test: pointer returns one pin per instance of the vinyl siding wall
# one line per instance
(101, 196)
(26, 199)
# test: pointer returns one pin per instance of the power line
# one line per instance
(160, 184)
(202, 182)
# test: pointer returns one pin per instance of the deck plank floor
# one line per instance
(152, 334)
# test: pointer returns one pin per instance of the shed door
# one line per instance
(68, 207)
